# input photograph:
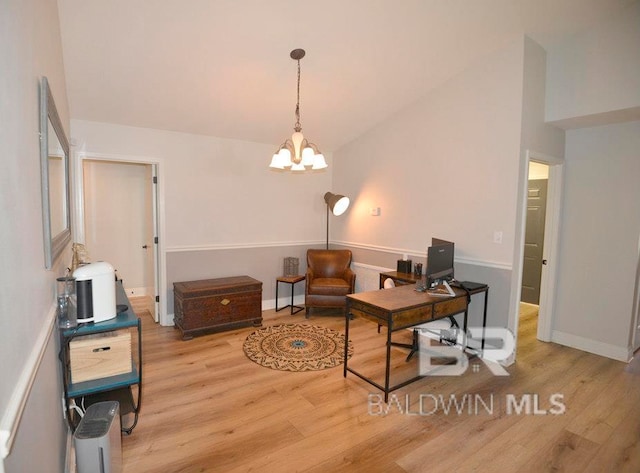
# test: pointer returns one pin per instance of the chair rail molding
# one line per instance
(10, 421)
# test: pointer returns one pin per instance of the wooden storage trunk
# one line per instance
(100, 355)
(214, 305)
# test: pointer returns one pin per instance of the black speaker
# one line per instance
(404, 266)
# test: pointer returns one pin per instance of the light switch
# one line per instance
(374, 211)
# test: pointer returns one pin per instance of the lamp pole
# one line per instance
(327, 226)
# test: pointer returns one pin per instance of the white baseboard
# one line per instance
(592, 346)
(136, 291)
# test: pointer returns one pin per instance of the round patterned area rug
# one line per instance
(296, 347)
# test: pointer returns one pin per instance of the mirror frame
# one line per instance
(53, 244)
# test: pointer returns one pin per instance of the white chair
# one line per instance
(442, 330)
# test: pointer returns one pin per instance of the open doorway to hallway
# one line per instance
(533, 259)
(120, 223)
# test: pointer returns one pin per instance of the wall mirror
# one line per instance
(54, 163)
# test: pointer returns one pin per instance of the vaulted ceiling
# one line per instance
(222, 67)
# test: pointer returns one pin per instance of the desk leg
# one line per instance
(465, 322)
(277, 284)
(347, 311)
(387, 374)
(484, 319)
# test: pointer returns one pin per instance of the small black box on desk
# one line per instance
(404, 266)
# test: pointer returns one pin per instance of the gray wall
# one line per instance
(264, 264)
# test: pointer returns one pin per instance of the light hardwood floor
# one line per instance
(207, 408)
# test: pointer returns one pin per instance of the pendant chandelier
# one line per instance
(297, 153)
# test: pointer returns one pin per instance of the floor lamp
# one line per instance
(337, 204)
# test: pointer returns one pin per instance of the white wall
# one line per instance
(594, 77)
(221, 200)
(446, 166)
(599, 243)
(30, 47)
(537, 135)
(452, 166)
(218, 191)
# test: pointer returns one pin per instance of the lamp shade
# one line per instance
(337, 203)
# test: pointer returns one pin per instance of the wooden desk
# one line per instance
(399, 308)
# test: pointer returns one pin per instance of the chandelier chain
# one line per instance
(297, 126)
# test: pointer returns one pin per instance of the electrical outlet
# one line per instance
(497, 236)
(374, 211)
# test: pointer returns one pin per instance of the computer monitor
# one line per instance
(440, 261)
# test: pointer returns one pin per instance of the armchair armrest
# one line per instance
(309, 278)
(350, 277)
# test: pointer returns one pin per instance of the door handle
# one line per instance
(144, 246)
(544, 261)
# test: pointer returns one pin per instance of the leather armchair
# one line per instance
(329, 278)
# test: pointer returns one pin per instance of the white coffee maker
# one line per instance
(95, 292)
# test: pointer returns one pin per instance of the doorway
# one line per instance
(120, 224)
(549, 261)
(534, 238)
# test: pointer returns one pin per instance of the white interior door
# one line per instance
(119, 222)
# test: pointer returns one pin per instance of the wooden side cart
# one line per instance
(103, 361)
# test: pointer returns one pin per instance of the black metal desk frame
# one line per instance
(385, 316)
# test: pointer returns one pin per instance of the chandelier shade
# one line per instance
(297, 153)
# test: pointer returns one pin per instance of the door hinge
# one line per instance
(155, 179)
(157, 298)
(155, 240)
